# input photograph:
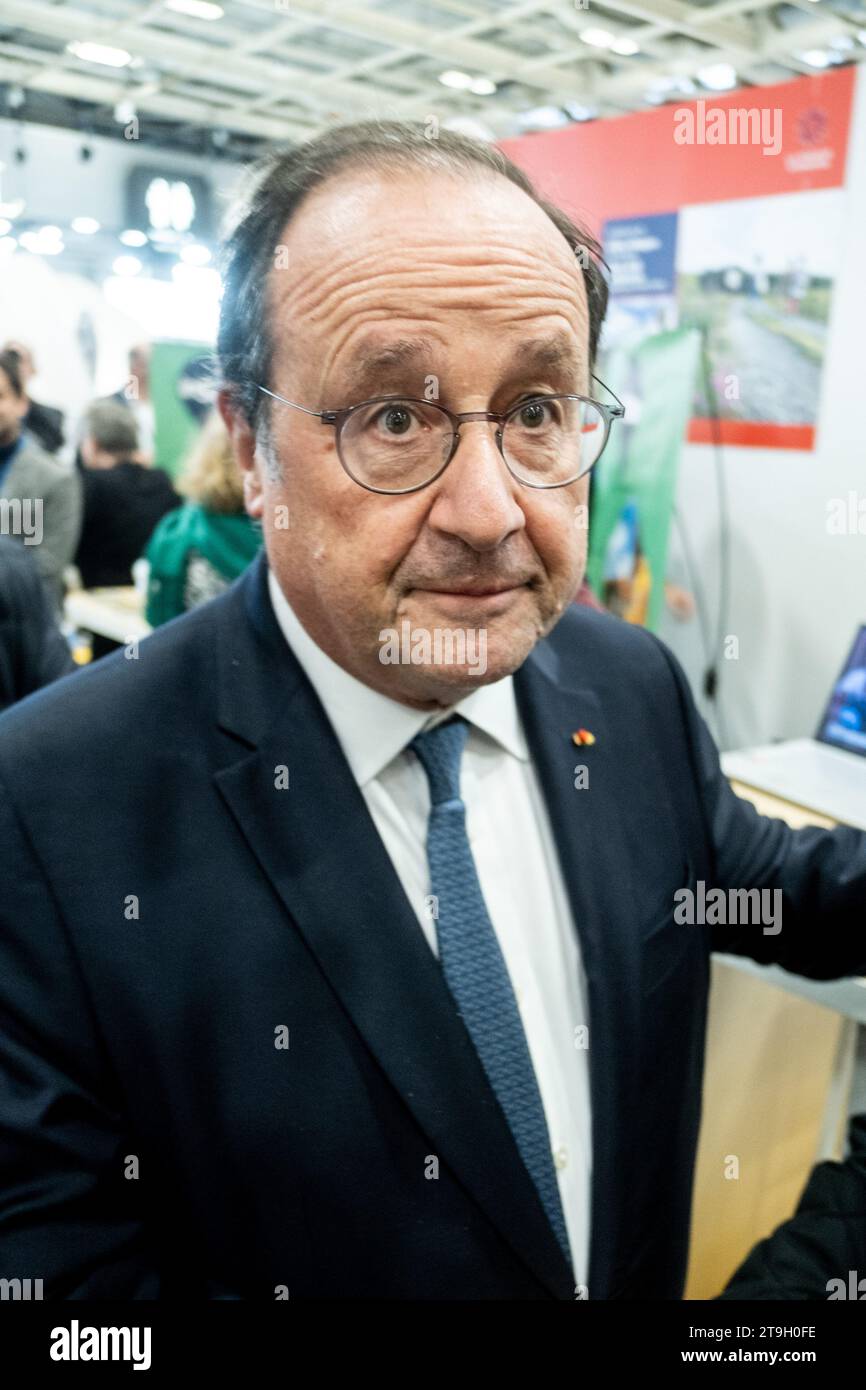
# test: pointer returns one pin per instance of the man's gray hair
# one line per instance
(281, 182)
(112, 427)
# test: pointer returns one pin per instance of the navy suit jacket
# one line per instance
(169, 904)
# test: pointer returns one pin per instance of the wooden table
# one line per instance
(114, 613)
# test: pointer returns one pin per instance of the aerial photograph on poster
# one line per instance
(755, 276)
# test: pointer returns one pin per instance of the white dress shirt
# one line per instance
(518, 869)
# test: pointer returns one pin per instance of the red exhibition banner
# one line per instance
(755, 275)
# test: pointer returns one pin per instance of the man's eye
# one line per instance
(394, 419)
(536, 412)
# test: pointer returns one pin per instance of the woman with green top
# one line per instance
(199, 549)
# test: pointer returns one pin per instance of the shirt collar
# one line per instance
(373, 729)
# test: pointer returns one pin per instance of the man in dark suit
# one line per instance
(43, 422)
(122, 499)
(353, 960)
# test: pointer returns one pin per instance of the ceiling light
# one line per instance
(85, 226)
(50, 232)
(133, 237)
(13, 208)
(42, 244)
(665, 88)
(598, 38)
(165, 237)
(199, 9)
(195, 254)
(542, 118)
(125, 111)
(718, 77)
(815, 57)
(482, 87)
(126, 265)
(99, 53)
(626, 48)
(460, 81)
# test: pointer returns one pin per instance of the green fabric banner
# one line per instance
(182, 388)
(634, 483)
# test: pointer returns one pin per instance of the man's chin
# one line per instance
(455, 674)
(433, 687)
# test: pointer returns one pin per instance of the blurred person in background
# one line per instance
(33, 651)
(819, 1254)
(135, 395)
(197, 551)
(43, 422)
(49, 493)
(123, 499)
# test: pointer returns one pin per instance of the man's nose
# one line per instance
(475, 497)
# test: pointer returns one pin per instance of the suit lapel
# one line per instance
(594, 863)
(319, 847)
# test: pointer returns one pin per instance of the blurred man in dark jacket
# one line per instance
(821, 1252)
(43, 422)
(32, 649)
(123, 500)
(40, 497)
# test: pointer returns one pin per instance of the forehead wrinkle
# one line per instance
(337, 290)
(428, 268)
(387, 292)
(326, 271)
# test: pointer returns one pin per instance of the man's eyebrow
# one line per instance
(557, 353)
(373, 365)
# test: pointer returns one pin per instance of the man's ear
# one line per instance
(243, 441)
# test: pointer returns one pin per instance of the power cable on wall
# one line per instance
(712, 648)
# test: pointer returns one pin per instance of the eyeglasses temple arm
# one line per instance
(621, 411)
(326, 416)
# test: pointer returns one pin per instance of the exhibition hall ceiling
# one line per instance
(236, 77)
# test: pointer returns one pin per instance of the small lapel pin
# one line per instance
(582, 736)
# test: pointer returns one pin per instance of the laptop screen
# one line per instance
(843, 723)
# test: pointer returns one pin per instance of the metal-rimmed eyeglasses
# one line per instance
(397, 444)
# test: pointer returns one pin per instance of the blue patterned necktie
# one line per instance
(475, 969)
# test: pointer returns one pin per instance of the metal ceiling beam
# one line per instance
(740, 31)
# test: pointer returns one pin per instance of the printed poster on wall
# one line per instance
(755, 278)
(725, 215)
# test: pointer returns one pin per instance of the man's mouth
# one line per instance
(472, 590)
(491, 599)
